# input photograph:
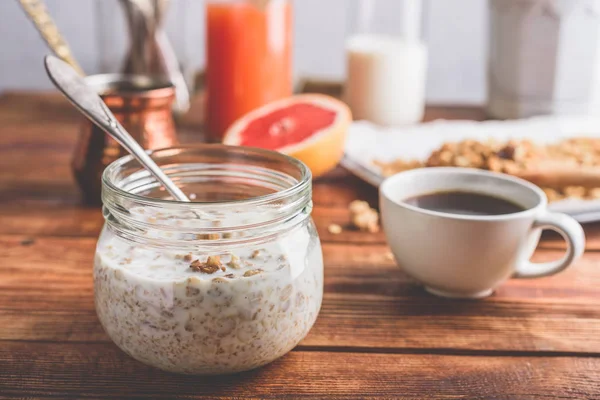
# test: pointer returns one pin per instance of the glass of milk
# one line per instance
(386, 62)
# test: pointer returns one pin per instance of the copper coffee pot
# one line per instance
(142, 104)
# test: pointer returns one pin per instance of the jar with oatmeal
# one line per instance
(226, 283)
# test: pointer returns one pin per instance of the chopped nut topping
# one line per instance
(126, 261)
(363, 216)
(188, 257)
(253, 272)
(208, 236)
(212, 265)
(234, 262)
(213, 260)
(256, 254)
(334, 229)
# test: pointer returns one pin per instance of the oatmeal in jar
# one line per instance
(214, 287)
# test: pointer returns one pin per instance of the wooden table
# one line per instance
(377, 334)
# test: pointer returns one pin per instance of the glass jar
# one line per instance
(226, 283)
(248, 56)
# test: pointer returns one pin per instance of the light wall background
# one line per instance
(455, 31)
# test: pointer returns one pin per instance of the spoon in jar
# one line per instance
(89, 103)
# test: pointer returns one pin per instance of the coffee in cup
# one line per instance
(462, 232)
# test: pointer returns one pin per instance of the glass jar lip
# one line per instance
(301, 184)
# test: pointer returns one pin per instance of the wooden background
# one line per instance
(377, 334)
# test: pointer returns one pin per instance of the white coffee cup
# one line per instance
(467, 256)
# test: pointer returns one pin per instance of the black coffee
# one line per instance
(466, 203)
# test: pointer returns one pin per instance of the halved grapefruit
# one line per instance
(310, 127)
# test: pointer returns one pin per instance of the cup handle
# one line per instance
(573, 234)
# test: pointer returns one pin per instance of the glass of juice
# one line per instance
(249, 58)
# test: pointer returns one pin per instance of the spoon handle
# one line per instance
(89, 103)
(39, 15)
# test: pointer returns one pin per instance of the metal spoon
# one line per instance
(71, 84)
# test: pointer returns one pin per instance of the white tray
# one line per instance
(367, 142)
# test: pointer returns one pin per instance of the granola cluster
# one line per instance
(334, 229)
(515, 157)
(210, 266)
(363, 217)
(510, 158)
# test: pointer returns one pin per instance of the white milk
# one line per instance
(386, 79)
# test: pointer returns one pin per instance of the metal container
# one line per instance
(543, 58)
(142, 104)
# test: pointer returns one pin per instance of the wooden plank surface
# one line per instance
(101, 371)
(372, 307)
(378, 334)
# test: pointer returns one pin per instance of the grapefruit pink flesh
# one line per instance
(309, 127)
(286, 126)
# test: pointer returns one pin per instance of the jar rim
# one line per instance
(110, 173)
